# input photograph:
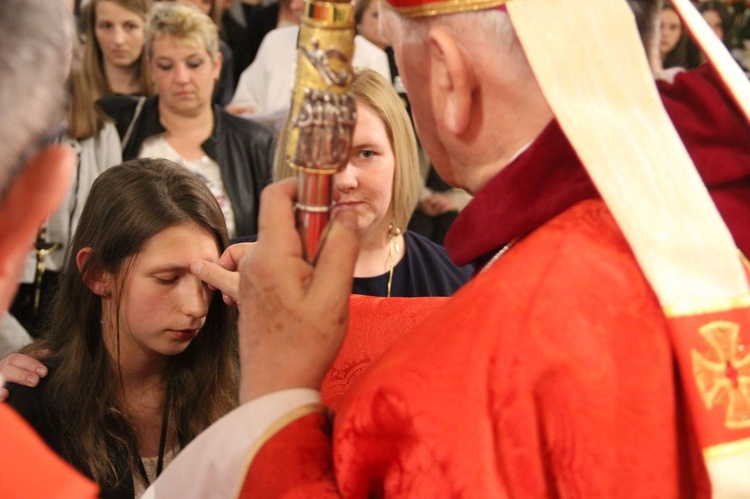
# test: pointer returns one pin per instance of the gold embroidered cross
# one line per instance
(722, 373)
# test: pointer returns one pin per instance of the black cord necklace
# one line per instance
(162, 442)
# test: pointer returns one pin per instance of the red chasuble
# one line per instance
(551, 374)
(28, 468)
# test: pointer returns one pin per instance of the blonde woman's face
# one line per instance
(184, 75)
(119, 32)
(366, 184)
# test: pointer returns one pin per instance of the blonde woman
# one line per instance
(234, 156)
(380, 184)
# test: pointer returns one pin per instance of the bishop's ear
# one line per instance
(453, 79)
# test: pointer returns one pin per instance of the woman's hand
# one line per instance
(22, 369)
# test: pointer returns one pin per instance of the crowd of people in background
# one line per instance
(729, 19)
(151, 79)
(159, 158)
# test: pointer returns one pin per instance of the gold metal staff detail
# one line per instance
(322, 115)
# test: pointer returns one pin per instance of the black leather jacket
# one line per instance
(242, 148)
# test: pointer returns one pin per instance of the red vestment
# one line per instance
(551, 374)
(28, 468)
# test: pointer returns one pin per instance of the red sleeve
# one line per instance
(295, 462)
(28, 468)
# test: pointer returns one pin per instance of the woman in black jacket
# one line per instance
(233, 155)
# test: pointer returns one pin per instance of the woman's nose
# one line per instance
(346, 179)
(195, 298)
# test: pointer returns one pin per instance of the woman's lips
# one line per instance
(185, 334)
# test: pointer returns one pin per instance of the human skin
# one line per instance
(119, 33)
(670, 30)
(369, 26)
(184, 74)
(366, 183)
(160, 306)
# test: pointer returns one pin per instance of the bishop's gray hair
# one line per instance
(35, 49)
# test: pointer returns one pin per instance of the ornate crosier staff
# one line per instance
(322, 115)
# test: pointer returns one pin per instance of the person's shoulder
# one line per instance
(367, 54)
(29, 402)
(421, 243)
(434, 255)
(284, 34)
(114, 105)
(243, 125)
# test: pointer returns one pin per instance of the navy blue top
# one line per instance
(425, 270)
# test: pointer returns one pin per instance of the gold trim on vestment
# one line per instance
(447, 7)
(725, 450)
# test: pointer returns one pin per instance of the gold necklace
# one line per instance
(500, 253)
(393, 248)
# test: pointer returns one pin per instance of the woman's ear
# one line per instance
(97, 280)
(217, 65)
(454, 80)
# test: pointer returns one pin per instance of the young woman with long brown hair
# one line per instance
(113, 60)
(143, 354)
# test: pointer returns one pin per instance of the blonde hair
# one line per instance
(185, 22)
(370, 88)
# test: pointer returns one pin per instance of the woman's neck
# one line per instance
(182, 124)
(186, 133)
(378, 254)
(122, 80)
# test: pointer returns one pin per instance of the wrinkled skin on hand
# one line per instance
(293, 316)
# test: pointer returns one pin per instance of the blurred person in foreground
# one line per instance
(34, 179)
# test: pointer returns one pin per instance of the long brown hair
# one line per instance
(128, 204)
(85, 119)
(94, 83)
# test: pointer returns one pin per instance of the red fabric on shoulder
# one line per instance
(550, 375)
(374, 324)
(295, 462)
(28, 468)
